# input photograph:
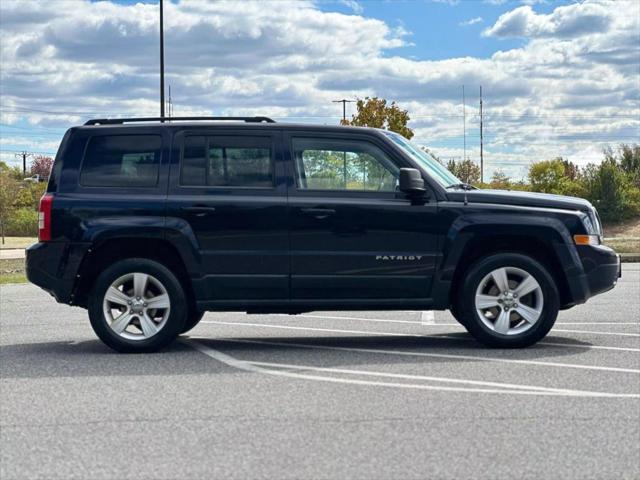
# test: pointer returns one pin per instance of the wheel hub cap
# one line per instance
(509, 300)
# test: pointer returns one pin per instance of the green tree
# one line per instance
(548, 176)
(465, 170)
(8, 191)
(500, 180)
(377, 113)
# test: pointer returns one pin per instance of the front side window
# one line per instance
(216, 161)
(327, 164)
(121, 161)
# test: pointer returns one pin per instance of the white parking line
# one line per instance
(446, 337)
(589, 332)
(439, 355)
(258, 367)
(433, 324)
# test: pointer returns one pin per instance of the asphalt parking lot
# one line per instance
(373, 395)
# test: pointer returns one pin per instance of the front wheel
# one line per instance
(137, 306)
(508, 300)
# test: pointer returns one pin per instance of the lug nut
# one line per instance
(515, 305)
(515, 295)
(129, 302)
(144, 304)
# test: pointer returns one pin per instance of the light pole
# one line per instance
(161, 60)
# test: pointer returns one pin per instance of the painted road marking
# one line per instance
(446, 337)
(259, 367)
(437, 355)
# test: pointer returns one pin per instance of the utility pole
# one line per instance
(464, 126)
(161, 60)
(344, 102)
(481, 145)
(24, 155)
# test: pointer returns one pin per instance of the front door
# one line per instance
(228, 192)
(354, 237)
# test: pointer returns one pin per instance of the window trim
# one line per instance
(293, 136)
(86, 148)
(206, 136)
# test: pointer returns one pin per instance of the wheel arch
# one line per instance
(108, 251)
(545, 239)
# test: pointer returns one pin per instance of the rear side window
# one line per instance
(121, 161)
(216, 161)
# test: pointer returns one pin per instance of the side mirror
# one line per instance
(411, 181)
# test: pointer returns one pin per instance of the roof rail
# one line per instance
(117, 121)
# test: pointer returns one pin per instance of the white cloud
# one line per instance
(565, 22)
(471, 21)
(569, 89)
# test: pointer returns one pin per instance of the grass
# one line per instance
(6, 278)
(17, 242)
(12, 271)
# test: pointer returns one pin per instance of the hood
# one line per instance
(528, 199)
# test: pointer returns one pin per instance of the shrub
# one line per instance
(22, 222)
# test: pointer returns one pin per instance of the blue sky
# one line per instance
(559, 78)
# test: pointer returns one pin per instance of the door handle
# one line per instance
(199, 211)
(319, 213)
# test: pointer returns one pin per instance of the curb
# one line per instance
(629, 257)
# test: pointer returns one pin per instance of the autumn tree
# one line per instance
(465, 170)
(41, 165)
(377, 113)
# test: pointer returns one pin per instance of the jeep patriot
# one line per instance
(148, 223)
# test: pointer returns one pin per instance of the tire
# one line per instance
(192, 320)
(511, 318)
(121, 306)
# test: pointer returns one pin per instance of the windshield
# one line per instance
(432, 167)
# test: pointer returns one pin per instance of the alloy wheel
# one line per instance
(136, 306)
(509, 301)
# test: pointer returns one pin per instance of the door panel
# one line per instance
(231, 195)
(352, 238)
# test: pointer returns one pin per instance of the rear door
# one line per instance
(227, 191)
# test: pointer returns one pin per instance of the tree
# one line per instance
(41, 165)
(465, 170)
(375, 112)
(548, 176)
(500, 180)
(607, 187)
(8, 192)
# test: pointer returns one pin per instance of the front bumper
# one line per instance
(601, 270)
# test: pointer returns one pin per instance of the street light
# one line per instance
(161, 60)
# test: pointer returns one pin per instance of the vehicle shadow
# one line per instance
(93, 358)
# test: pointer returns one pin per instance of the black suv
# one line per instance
(148, 223)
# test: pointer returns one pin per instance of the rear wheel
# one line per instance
(507, 301)
(137, 305)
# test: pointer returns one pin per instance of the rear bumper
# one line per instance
(53, 266)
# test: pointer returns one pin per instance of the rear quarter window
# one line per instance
(121, 161)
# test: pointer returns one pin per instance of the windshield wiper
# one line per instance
(462, 186)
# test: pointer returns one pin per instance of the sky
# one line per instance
(559, 78)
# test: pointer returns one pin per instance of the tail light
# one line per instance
(44, 218)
